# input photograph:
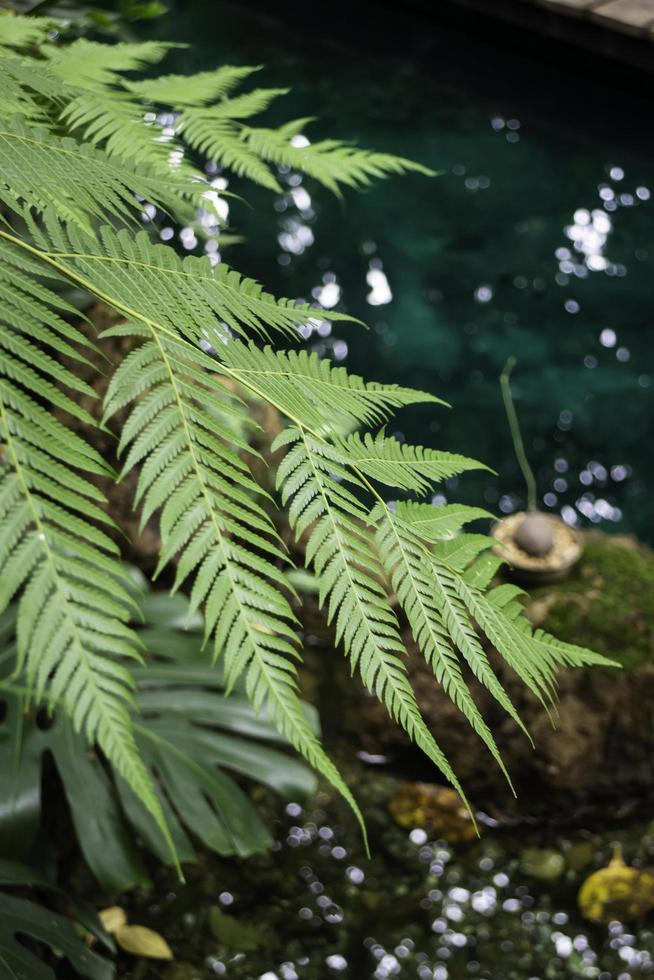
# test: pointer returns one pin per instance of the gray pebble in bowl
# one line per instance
(535, 535)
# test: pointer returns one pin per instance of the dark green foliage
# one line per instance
(187, 733)
(22, 919)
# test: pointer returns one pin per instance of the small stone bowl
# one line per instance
(533, 569)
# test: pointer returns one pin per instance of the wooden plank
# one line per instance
(570, 6)
(634, 16)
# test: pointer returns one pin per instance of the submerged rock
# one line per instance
(435, 809)
(542, 863)
(616, 893)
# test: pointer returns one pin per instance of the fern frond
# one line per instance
(25, 86)
(152, 283)
(179, 91)
(96, 65)
(116, 122)
(306, 387)
(439, 622)
(507, 598)
(23, 32)
(73, 610)
(220, 142)
(398, 464)
(331, 162)
(438, 523)
(211, 521)
(312, 479)
(459, 552)
(75, 180)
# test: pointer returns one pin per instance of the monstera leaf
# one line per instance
(190, 735)
(23, 919)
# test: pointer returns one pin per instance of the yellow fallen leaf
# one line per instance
(140, 941)
(113, 918)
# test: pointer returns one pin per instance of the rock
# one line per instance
(535, 535)
(235, 934)
(616, 892)
(435, 809)
(601, 752)
(544, 863)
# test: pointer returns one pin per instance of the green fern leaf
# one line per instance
(439, 621)
(24, 87)
(152, 284)
(339, 549)
(96, 65)
(190, 90)
(331, 162)
(220, 142)
(211, 521)
(116, 123)
(23, 32)
(76, 180)
(397, 464)
(436, 523)
(73, 609)
(305, 387)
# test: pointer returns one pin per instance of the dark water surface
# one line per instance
(537, 240)
(315, 908)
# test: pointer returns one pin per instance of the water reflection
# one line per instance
(499, 908)
(535, 242)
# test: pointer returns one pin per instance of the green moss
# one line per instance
(607, 604)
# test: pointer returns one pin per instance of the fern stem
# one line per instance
(516, 435)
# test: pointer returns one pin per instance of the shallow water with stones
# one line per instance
(503, 907)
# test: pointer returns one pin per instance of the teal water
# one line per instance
(536, 241)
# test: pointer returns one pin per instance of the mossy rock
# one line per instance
(606, 604)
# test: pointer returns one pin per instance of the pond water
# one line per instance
(315, 908)
(536, 241)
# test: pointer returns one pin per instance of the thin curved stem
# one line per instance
(516, 435)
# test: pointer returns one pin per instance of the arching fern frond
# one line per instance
(220, 142)
(314, 482)
(96, 65)
(304, 386)
(212, 523)
(191, 90)
(25, 87)
(439, 620)
(116, 123)
(77, 181)
(23, 32)
(186, 296)
(331, 162)
(396, 464)
(73, 610)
